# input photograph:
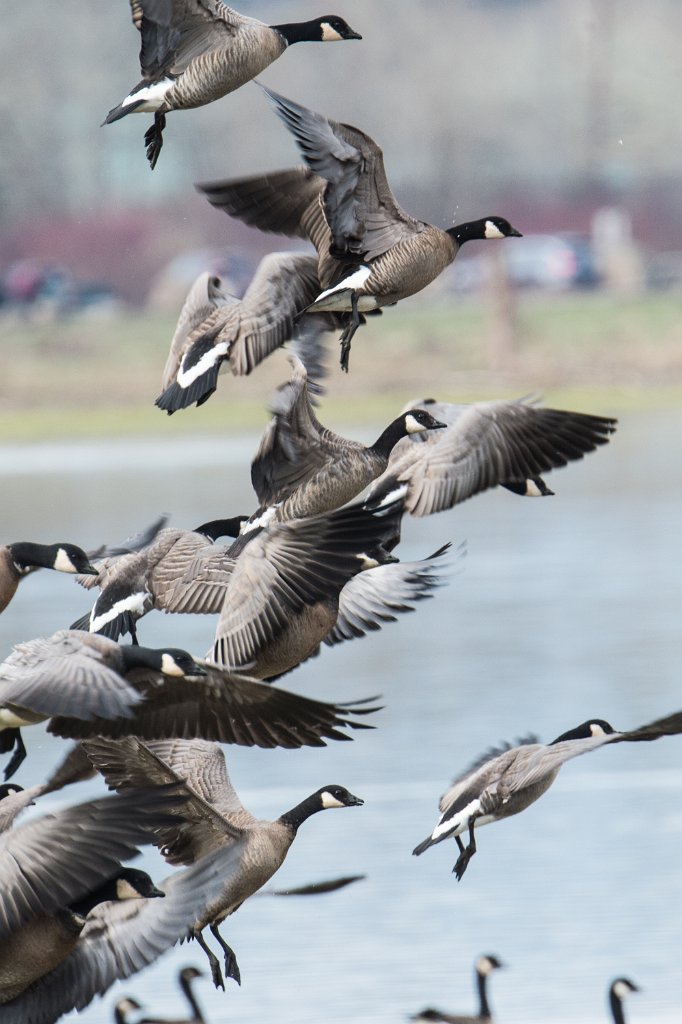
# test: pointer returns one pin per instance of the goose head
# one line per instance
(586, 730)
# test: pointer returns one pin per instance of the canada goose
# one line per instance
(618, 990)
(483, 967)
(304, 469)
(239, 332)
(39, 946)
(161, 575)
(68, 679)
(371, 253)
(507, 779)
(195, 51)
(56, 860)
(120, 939)
(19, 559)
(485, 444)
(185, 978)
(219, 819)
(97, 678)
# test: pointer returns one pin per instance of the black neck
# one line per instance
(139, 657)
(616, 1008)
(294, 818)
(466, 232)
(28, 556)
(386, 442)
(484, 1008)
(186, 986)
(300, 32)
(221, 527)
(107, 891)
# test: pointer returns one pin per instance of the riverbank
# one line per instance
(91, 377)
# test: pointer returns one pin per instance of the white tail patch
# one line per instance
(133, 603)
(207, 362)
(8, 720)
(152, 95)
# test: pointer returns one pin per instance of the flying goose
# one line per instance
(77, 673)
(19, 559)
(483, 967)
(304, 469)
(371, 253)
(161, 575)
(185, 978)
(507, 779)
(507, 442)
(195, 51)
(120, 939)
(213, 332)
(218, 819)
(68, 678)
(54, 861)
(618, 990)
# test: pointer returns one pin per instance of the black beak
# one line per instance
(353, 35)
(155, 892)
(90, 571)
(355, 801)
(199, 670)
(438, 424)
(515, 234)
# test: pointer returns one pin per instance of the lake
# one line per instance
(563, 609)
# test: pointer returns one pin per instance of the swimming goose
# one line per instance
(483, 967)
(120, 939)
(185, 978)
(195, 51)
(508, 442)
(219, 819)
(303, 469)
(371, 253)
(618, 990)
(23, 557)
(239, 332)
(77, 673)
(67, 678)
(507, 779)
(56, 860)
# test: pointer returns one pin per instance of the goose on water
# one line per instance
(483, 967)
(218, 819)
(185, 978)
(505, 442)
(507, 779)
(195, 51)
(88, 685)
(371, 253)
(216, 331)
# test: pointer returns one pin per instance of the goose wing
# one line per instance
(203, 299)
(74, 767)
(488, 444)
(174, 32)
(225, 708)
(364, 219)
(58, 858)
(120, 939)
(199, 769)
(67, 673)
(291, 565)
(379, 595)
(294, 444)
(278, 202)
(192, 578)
(671, 725)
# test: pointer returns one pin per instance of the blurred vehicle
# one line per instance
(551, 262)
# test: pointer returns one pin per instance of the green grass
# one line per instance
(86, 377)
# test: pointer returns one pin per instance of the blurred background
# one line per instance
(561, 115)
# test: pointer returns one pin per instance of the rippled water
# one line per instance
(563, 609)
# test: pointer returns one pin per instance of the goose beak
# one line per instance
(154, 893)
(90, 571)
(353, 35)
(199, 670)
(355, 801)
(515, 234)
(439, 424)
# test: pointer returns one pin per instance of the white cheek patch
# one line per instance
(63, 563)
(492, 231)
(169, 666)
(532, 490)
(125, 891)
(330, 801)
(413, 426)
(367, 562)
(596, 730)
(133, 603)
(329, 34)
(621, 990)
(153, 95)
(207, 362)
(484, 966)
